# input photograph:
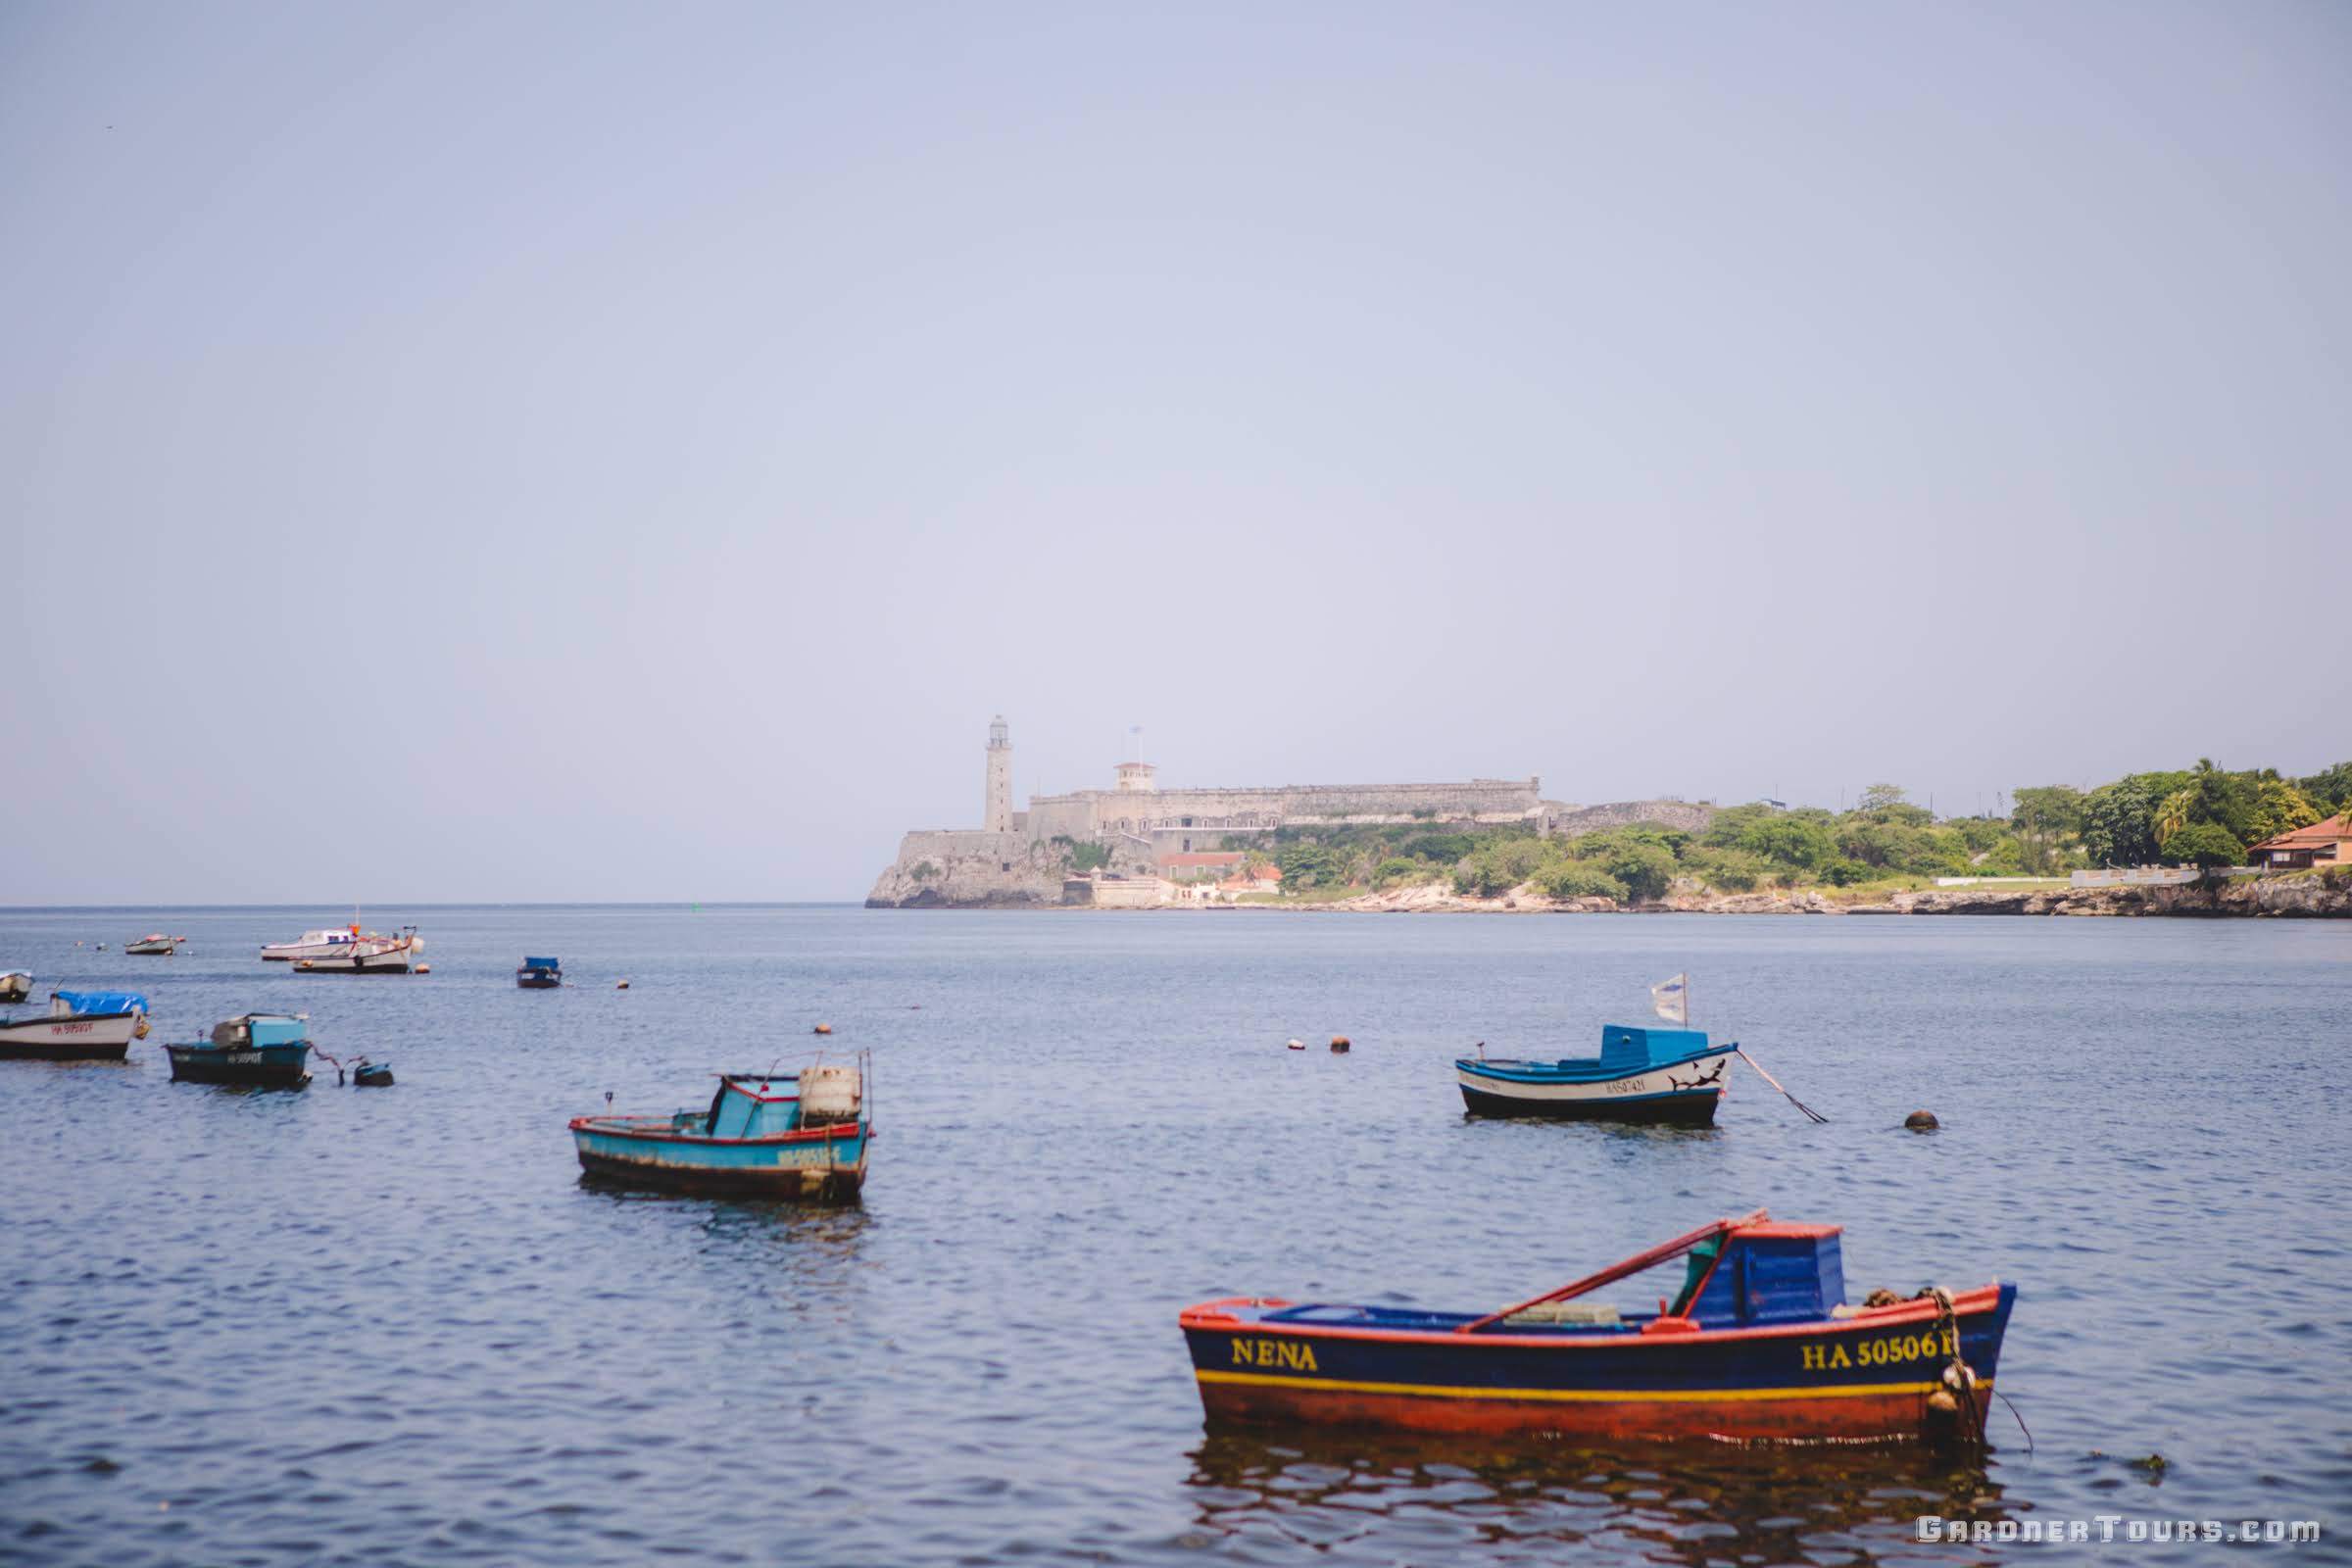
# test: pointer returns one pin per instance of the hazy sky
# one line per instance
(513, 452)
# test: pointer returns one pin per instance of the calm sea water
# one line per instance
(393, 1327)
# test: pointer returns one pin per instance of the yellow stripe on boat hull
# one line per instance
(1842, 1391)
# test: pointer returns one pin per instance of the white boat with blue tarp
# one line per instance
(79, 1026)
(766, 1135)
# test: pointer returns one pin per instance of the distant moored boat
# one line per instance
(154, 945)
(371, 953)
(539, 974)
(14, 986)
(80, 1026)
(311, 945)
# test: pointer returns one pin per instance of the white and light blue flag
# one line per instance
(1672, 999)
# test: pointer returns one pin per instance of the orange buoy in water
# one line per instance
(424, 968)
(624, 986)
(1922, 1121)
(1340, 1041)
(822, 1029)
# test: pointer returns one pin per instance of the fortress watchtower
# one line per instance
(996, 816)
(1136, 778)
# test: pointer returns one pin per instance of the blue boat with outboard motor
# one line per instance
(262, 1050)
(1642, 1075)
(766, 1135)
(539, 974)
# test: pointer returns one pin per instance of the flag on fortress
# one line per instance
(1672, 999)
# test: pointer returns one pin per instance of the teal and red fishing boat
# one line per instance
(766, 1135)
(1756, 1345)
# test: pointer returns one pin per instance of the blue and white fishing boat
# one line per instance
(1645, 1075)
(79, 1026)
(765, 1135)
(269, 1051)
(539, 974)
(1642, 1075)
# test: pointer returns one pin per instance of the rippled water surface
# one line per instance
(394, 1327)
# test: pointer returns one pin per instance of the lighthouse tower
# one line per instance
(996, 816)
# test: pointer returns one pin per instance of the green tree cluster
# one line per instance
(2138, 819)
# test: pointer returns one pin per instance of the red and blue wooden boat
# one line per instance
(1756, 1345)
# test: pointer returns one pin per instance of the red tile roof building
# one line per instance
(2327, 843)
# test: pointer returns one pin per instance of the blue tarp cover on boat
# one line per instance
(541, 963)
(1625, 1048)
(102, 1001)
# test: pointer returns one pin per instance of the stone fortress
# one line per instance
(1021, 859)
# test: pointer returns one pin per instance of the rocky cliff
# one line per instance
(966, 871)
(2322, 895)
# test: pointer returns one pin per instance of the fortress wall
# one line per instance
(1072, 815)
(1484, 797)
(1091, 813)
(1576, 820)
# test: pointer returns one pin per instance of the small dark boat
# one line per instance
(80, 1026)
(1756, 1345)
(269, 1051)
(539, 974)
(366, 1074)
(766, 1135)
(156, 945)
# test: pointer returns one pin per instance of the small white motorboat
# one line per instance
(314, 944)
(154, 945)
(14, 986)
(372, 954)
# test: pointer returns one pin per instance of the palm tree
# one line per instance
(2173, 814)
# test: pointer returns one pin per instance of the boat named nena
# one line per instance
(1756, 1345)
